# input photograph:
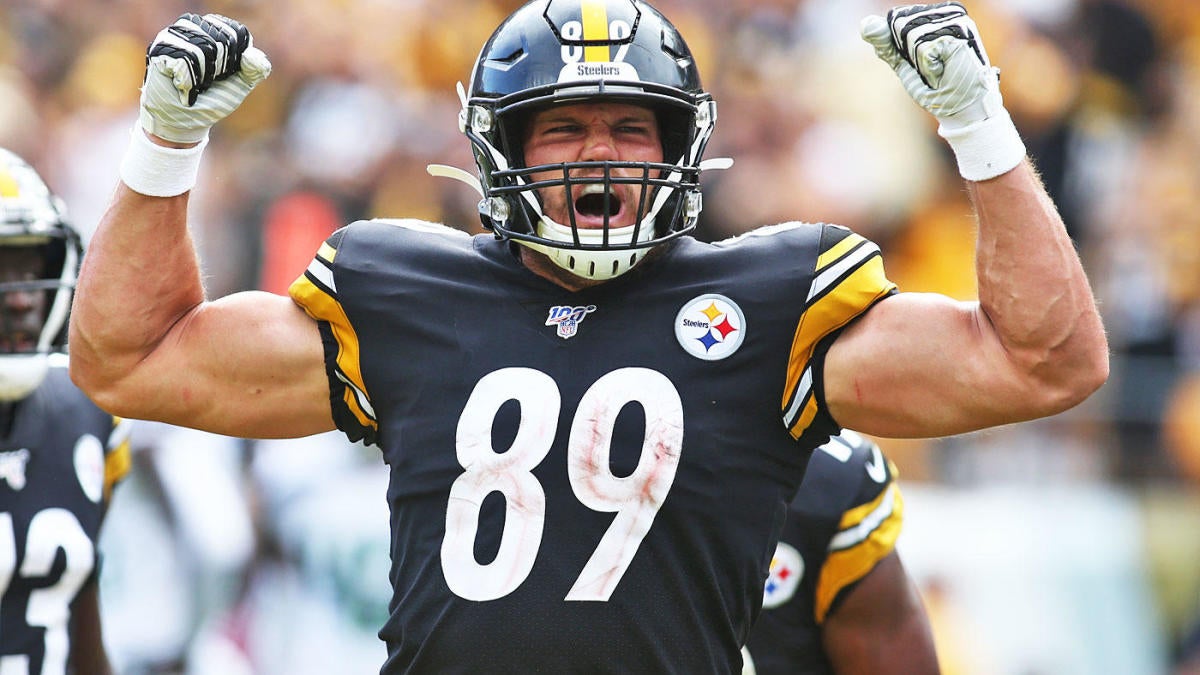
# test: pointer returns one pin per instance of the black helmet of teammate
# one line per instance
(552, 52)
(33, 222)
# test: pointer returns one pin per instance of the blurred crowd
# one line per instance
(362, 98)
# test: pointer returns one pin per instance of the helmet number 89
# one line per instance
(635, 498)
(572, 31)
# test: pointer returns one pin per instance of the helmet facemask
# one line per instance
(649, 198)
(35, 234)
(530, 64)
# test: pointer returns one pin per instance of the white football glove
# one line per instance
(198, 70)
(938, 55)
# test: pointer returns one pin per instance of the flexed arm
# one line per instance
(920, 365)
(145, 343)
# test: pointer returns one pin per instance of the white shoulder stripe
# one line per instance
(423, 226)
(802, 390)
(764, 231)
(120, 433)
(859, 533)
(828, 276)
(359, 395)
(321, 272)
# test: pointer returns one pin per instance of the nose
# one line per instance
(599, 145)
(20, 302)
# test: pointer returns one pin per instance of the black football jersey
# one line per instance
(587, 481)
(60, 457)
(844, 520)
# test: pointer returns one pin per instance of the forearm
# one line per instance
(139, 277)
(1034, 294)
(141, 274)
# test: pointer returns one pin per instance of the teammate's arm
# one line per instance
(88, 656)
(880, 626)
(249, 364)
(1033, 345)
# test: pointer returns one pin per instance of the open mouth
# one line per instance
(17, 344)
(596, 202)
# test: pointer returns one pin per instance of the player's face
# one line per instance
(21, 311)
(592, 132)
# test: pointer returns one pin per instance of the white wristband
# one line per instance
(986, 149)
(158, 171)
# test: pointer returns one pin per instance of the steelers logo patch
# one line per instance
(89, 466)
(787, 569)
(710, 327)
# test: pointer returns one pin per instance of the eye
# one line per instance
(561, 129)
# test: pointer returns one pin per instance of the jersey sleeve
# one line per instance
(316, 292)
(117, 455)
(867, 530)
(848, 279)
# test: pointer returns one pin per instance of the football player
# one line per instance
(593, 421)
(60, 455)
(838, 600)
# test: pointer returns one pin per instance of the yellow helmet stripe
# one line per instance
(8, 185)
(595, 27)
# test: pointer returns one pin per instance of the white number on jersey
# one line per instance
(635, 498)
(49, 531)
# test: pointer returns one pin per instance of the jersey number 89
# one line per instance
(635, 498)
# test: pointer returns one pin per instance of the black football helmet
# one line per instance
(33, 221)
(552, 52)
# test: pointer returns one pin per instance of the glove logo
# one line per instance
(787, 569)
(710, 327)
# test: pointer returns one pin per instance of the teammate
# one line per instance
(838, 599)
(581, 410)
(60, 455)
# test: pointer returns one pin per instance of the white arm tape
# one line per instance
(986, 149)
(158, 171)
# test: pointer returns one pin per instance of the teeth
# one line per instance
(592, 189)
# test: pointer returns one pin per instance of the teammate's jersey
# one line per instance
(59, 460)
(589, 481)
(843, 521)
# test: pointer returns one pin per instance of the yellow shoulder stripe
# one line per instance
(119, 459)
(848, 279)
(323, 307)
(868, 534)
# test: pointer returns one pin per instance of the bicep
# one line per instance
(881, 627)
(920, 365)
(249, 364)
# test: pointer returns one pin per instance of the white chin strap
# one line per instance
(594, 265)
(20, 374)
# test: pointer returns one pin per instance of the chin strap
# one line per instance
(716, 164)
(455, 173)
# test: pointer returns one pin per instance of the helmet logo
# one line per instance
(587, 52)
(710, 327)
(568, 318)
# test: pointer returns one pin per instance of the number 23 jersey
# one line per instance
(582, 481)
(59, 460)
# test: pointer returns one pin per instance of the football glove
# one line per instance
(198, 70)
(939, 57)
